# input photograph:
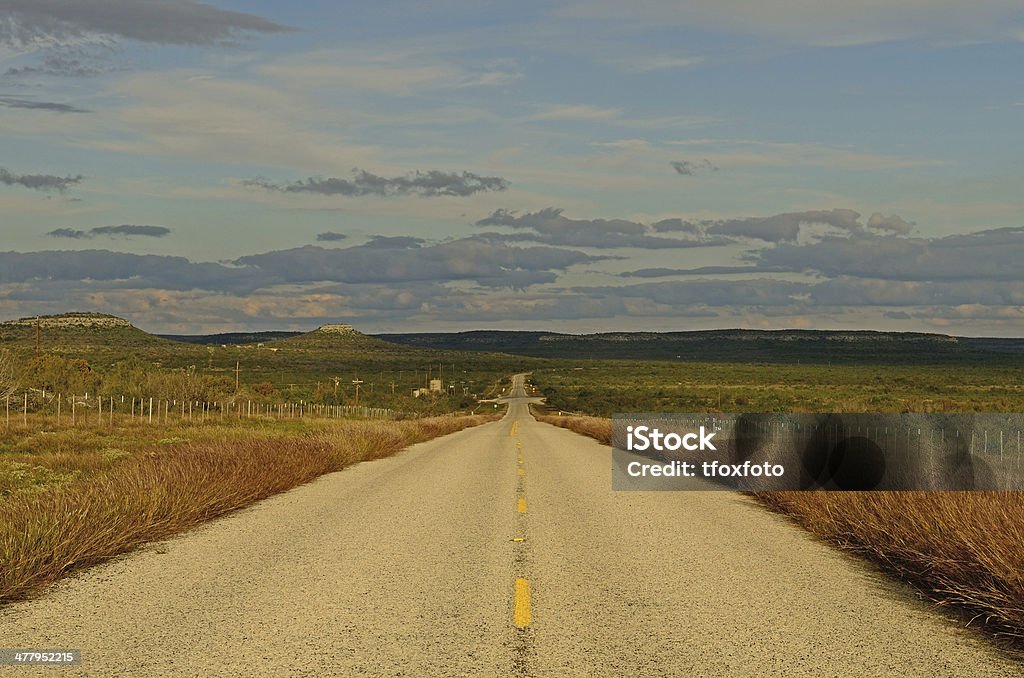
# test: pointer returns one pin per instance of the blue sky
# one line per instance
(581, 165)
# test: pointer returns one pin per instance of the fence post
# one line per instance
(24, 414)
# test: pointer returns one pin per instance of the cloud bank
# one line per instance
(850, 269)
(39, 182)
(35, 105)
(123, 230)
(429, 184)
(164, 22)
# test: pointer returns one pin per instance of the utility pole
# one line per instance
(392, 389)
(236, 375)
(357, 381)
(39, 333)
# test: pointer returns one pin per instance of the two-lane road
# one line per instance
(496, 551)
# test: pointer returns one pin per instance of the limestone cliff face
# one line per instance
(336, 328)
(71, 320)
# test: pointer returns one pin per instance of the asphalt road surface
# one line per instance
(496, 551)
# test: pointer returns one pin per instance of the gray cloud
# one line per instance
(711, 293)
(902, 293)
(167, 22)
(892, 224)
(431, 183)
(985, 255)
(330, 236)
(857, 273)
(68, 233)
(119, 270)
(700, 270)
(397, 242)
(124, 229)
(39, 182)
(551, 227)
(131, 229)
(777, 228)
(63, 65)
(403, 297)
(34, 105)
(487, 264)
(468, 259)
(675, 225)
(785, 227)
(691, 167)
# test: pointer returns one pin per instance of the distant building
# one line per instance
(436, 386)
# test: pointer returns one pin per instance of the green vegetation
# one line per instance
(81, 483)
(727, 346)
(110, 358)
(70, 497)
(605, 387)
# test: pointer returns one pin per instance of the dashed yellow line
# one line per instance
(515, 429)
(520, 471)
(521, 612)
(520, 459)
(521, 505)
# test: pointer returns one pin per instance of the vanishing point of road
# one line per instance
(497, 551)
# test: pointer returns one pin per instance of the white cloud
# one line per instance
(576, 112)
(395, 72)
(819, 22)
(728, 153)
(659, 62)
(225, 121)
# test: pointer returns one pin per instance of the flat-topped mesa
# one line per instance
(336, 328)
(71, 320)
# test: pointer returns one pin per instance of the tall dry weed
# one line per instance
(168, 489)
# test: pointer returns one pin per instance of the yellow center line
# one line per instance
(522, 505)
(521, 472)
(521, 614)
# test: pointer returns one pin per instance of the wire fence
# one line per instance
(40, 409)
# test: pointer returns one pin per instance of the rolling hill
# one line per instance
(745, 346)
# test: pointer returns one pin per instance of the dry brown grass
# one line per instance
(964, 550)
(166, 489)
(597, 428)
